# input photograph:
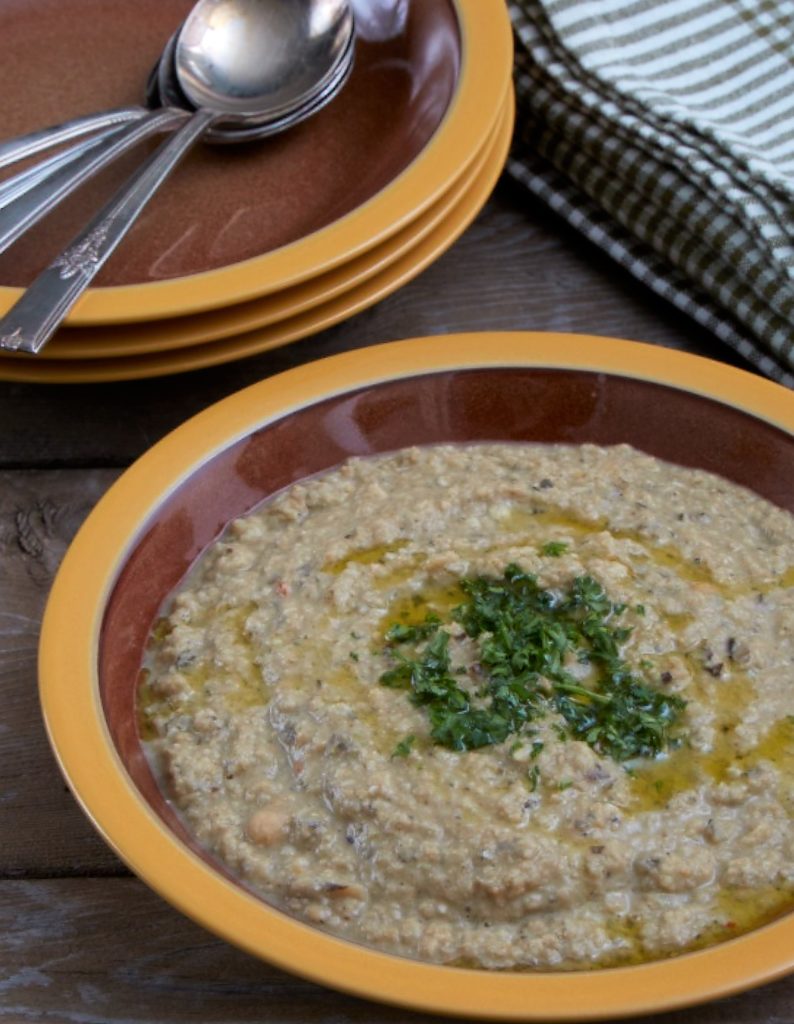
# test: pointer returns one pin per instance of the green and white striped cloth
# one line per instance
(663, 130)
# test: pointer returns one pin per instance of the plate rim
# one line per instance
(75, 725)
(308, 295)
(345, 305)
(484, 76)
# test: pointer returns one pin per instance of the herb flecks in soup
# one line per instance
(508, 706)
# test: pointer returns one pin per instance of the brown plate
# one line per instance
(393, 267)
(165, 509)
(467, 58)
(158, 336)
(225, 204)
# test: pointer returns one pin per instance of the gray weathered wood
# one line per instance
(111, 951)
(41, 828)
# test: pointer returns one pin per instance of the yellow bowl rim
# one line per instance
(484, 76)
(79, 736)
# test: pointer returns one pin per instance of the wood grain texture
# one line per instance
(74, 951)
(516, 268)
(41, 828)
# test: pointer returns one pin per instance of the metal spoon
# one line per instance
(24, 146)
(34, 192)
(17, 185)
(165, 90)
(29, 196)
(303, 51)
(283, 22)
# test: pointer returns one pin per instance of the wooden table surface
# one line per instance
(80, 939)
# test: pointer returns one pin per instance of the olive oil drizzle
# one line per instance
(246, 688)
(538, 523)
(667, 556)
(735, 911)
(363, 556)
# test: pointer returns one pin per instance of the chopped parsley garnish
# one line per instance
(554, 548)
(403, 748)
(527, 639)
(399, 633)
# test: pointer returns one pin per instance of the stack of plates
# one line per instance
(247, 248)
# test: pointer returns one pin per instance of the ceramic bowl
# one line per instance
(168, 506)
(235, 223)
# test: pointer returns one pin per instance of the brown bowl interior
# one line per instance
(230, 203)
(510, 404)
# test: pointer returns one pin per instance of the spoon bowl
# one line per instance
(260, 62)
(163, 89)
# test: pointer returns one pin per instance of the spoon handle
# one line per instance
(32, 321)
(26, 145)
(17, 185)
(18, 216)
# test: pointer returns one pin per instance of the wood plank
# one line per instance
(518, 267)
(43, 830)
(110, 950)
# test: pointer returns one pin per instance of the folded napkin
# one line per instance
(663, 130)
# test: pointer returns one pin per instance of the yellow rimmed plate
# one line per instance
(315, 318)
(180, 332)
(483, 82)
(455, 388)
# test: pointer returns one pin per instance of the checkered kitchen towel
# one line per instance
(664, 131)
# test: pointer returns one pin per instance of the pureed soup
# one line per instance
(503, 706)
